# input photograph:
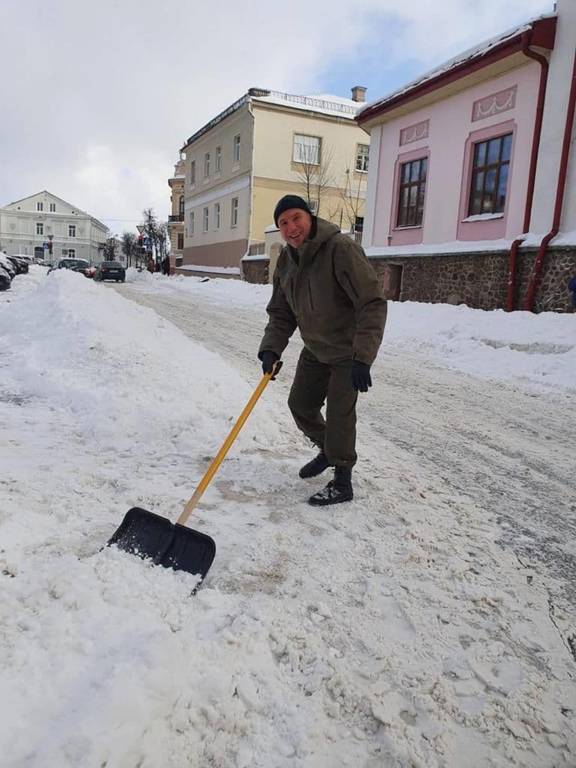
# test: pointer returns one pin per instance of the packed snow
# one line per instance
(397, 630)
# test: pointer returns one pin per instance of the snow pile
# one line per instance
(119, 372)
(521, 347)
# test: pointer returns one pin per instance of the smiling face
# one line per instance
(295, 225)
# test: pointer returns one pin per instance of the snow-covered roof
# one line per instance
(324, 104)
(476, 52)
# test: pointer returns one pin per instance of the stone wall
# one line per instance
(255, 270)
(480, 280)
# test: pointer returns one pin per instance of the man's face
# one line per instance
(295, 225)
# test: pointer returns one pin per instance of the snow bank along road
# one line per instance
(464, 510)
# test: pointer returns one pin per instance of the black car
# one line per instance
(5, 279)
(110, 270)
(21, 265)
(76, 265)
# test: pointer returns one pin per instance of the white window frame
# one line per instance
(191, 224)
(71, 253)
(52, 207)
(192, 173)
(306, 149)
(218, 159)
(71, 230)
(39, 228)
(362, 155)
(39, 206)
(205, 219)
(234, 207)
(217, 215)
(313, 205)
(207, 165)
(236, 148)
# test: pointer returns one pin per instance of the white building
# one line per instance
(29, 225)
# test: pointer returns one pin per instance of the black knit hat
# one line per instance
(290, 201)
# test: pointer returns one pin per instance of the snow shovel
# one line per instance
(175, 546)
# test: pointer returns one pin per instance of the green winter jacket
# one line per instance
(331, 294)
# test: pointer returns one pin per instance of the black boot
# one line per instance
(337, 490)
(315, 467)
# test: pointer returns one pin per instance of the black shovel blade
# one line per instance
(151, 536)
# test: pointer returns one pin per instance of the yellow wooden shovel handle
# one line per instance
(212, 469)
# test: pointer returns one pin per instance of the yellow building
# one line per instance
(176, 216)
(265, 145)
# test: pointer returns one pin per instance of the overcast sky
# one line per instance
(97, 98)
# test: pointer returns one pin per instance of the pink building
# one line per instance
(472, 186)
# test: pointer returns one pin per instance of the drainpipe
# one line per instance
(560, 189)
(512, 258)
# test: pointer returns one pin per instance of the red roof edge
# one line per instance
(542, 34)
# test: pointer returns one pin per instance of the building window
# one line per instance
(71, 230)
(216, 215)
(313, 205)
(39, 228)
(205, 219)
(71, 253)
(39, 206)
(412, 192)
(236, 149)
(234, 215)
(52, 207)
(362, 152)
(180, 241)
(207, 165)
(191, 224)
(306, 149)
(193, 172)
(490, 167)
(181, 207)
(359, 224)
(218, 159)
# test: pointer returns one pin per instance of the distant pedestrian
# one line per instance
(151, 266)
(166, 265)
(572, 289)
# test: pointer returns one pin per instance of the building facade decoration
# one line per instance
(414, 132)
(494, 104)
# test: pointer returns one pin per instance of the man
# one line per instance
(325, 287)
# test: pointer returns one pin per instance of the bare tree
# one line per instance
(353, 196)
(129, 247)
(109, 251)
(315, 173)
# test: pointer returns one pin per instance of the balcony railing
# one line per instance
(176, 217)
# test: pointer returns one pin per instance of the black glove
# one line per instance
(361, 376)
(268, 359)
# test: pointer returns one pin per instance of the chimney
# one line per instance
(359, 93)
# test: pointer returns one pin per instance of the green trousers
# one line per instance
(315, 384)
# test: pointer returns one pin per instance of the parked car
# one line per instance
(110, 270)
(76, 265)
(20, 264)
(5, 279)
(7, 265)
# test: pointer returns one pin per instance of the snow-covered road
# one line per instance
(508, 451)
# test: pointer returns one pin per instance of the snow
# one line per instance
(453, 246)
(394, 632)
(214, 269)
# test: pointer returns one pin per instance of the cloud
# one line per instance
(99, 97)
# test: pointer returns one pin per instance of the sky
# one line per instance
(397, 630)
(99, 98)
